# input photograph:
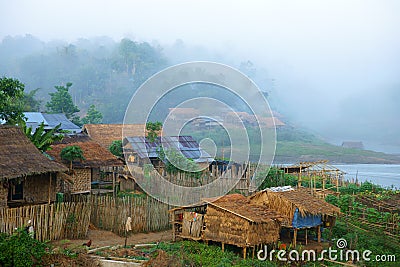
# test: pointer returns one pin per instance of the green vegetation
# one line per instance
(71, 153)
(31, 104)
(61, 102)
(42, 139)
(191, 253)
(152, 130)
(93, 116)
(20, 249)
(116, 148)
(104, 72)
(11, 100)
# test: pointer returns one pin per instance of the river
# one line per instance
(386, 175)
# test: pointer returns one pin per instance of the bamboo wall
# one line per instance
(148, 214)
(50, 221)
(82, 180)
(36, 188)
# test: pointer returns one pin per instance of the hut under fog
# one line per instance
(99, 163)
(303, 210)
(231, 219)
(26, 175)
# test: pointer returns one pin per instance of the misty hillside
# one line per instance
(106, 73)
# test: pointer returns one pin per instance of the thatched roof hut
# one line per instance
(23, 166)
(20, 158)
(95, 155)
(86, 171)
(231, 219)
(292, 202)
(105, 134)
(303, 210)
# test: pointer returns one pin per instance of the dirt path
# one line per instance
(102, 238)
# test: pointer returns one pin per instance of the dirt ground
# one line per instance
(102, 238)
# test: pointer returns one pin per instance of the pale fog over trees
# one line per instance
(331, 67)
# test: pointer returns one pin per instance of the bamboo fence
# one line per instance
(147, 214)
(50, 221)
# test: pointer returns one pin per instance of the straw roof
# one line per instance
(241, 206)
(105, 134)
(19, 157)
(95, 155)
(286, 203)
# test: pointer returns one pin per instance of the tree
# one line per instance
(153, 128)
(40, 138)
(61, 102)
(93, 116)
(11, 95)
(71, 153)
(30, 102)
(116, 148)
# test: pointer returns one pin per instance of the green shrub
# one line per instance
(20, 249)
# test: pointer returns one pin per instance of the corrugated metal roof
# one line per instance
(54, 119)
(33, 119)
(185, 144)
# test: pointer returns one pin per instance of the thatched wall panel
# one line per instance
(263, 233)
(3, 195)
(225, 227)
(127, 184)
(36, 188)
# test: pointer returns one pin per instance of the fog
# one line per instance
(332, 67)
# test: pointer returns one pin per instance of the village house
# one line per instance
(26, 175)
(139, 149)
(105, 134)
(230, 219)
(303, 210)
(98, 162)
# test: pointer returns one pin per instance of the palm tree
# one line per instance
(71, 153)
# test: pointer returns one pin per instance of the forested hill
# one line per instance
(103, 72)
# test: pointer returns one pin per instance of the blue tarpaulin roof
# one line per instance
(305, 221)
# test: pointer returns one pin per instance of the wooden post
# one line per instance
(254, 249)
(306, 236)
(299, 178)
(337, 182)
(51, 174)
(173, 226)
(319, 233)
(295, 237)
(113, 182)
(244, 252)
(223, 247)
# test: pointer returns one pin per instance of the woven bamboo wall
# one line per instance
(82, 180)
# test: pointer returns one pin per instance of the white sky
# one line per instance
(333, 51)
